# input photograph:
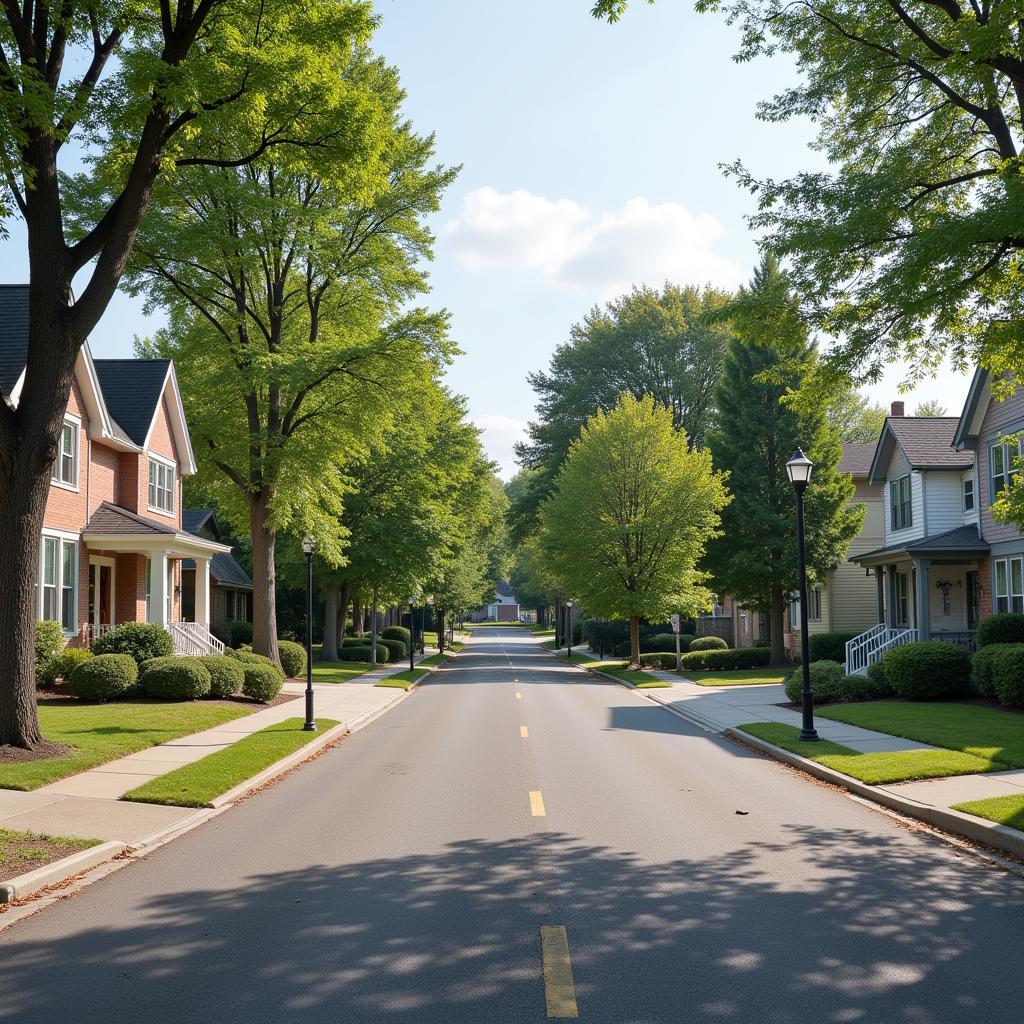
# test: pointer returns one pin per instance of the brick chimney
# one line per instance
(898, 409)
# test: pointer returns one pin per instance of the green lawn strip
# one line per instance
(338, 671)
(403, 680)
(875, 768)
(549, 645)
(103, 732)
(988, 733)
(26, 851)
(641, 680)
(434, 659)
(738, 677)
(196, 784)
(1003, 810)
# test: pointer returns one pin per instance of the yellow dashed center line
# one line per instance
(537, 804)
(519, 696)
(524, 733)
(559, 989)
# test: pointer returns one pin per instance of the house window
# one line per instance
(58, 577)
(902, 599)
(161, 486)
(969, 495)
(814, 605)
(1004, 456)
(1010, 585)
(899, 503)
(65, 466)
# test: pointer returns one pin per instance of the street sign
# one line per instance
(675, 623)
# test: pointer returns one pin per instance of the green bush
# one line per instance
(741, 657)
(142, 640)
(685, 641)
(240, 633)
(982, 666)
(226, 674)
(61, 665)
(293, 658)
(262, 682)
(828, 646)
(932, 670)
(861, 688)
(396, 633)
(251, 658)
(396, 649)
(708, 643)
(660, 642)
(49, 643)
(658, 660)
(604, 635)
(1008, 674)
(826, 682)
(1002, 628)
(363, 653)
(880, 681)
(174, 678)
(105, 677)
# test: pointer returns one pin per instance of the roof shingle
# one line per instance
(927, 441)
(111, 519)
(857, 458)
(132, 390)
(13, 334)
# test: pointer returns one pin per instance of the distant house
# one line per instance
(504, 607)
(230, 584)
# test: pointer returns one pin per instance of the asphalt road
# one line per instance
(404, 877)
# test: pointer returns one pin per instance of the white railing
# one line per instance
(862, 650)
(193, 639)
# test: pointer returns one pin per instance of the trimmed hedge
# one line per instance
(396, 649)
(49, 641)
(931, 670)
(363, 654)
(1001, 628)
(742, 657)
(828, 646)
(293, 658)
(175, 678)
(826, 682)
(262, 682)
(252, 658)
(1008, 674)
(142, 640)
(982, 666)
(709, 643)
(396, 633)
(659, 659)
(226, 674)
(105, 677)
(61, 665)
(878, 678)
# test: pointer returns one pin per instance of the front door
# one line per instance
(101, 593)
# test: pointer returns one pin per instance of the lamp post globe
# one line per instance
(309, 549)
(798, 469)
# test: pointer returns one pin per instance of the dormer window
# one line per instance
(901, 514)
(161, 486)
(65, 466)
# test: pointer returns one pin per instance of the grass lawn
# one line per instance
(26, 851)
(876, 768)
(337, 671)
(1003, 810)
(196, 784)
(987, 733)
(102, 732)
(738, 677)
(403, 680)
(434, 659)
(641, 680)
(549, 645)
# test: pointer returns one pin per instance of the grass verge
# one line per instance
(196, 784)
(101, 732)
(1003, 810)
(26, 851)
(877, 768)
(641, 680)
(403, 680)
(988, 733)
(337, 671)
(738, 677)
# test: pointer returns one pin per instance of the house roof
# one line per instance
(133, 388)
(505, 589)
(112, 519)
(857, 458)
(13, 334)
(960, 540)
(926, 441)
(194, 519)
(225, 569)
(119, 529)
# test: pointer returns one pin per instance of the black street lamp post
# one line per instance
(798, 469)
(308, 547)
(412, 636)
(568, 626)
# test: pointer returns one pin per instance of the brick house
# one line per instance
(112, 544)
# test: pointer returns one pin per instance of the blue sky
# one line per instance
(590, 160)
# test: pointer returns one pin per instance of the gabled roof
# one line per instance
(926, 441)
(133, 388)
(112, 519)
(976, 405)
(13, 334)
(505, 589)
(857, 458)
(194, 519)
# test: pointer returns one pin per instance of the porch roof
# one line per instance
(113, 528)
(963, 541)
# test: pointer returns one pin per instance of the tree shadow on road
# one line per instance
(864, 929)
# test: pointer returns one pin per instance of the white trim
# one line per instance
(49, 531)
(179, 425)
(111, 563)
(62, 537)
(162, 460)
(180, 545)
(70, 419)
(16, 390)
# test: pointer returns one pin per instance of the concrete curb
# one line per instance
(24, 885)
(999, 837)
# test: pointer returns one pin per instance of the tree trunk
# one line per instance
(776, 620)
(264, 580)
(358, 621)
(339, 622)
(634, 641)
(330, 647)
(440, 631)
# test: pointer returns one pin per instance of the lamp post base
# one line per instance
(310, 723)
(809, 735)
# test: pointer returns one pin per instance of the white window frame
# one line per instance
(155, 487)
(902, 600)
(1004, 479)
(56, 477)
(898, 505)
(967, 492)
(61, 542)
(1009, 584)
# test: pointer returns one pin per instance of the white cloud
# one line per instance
(500, 434)
(572, 247)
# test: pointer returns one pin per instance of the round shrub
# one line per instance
(49, 642)
(879, 680)
(982, 667)
(226, 674)
(658, 643)
(62, 665)
(105, 677)
(293, 658)
(931, 670)
(685, 640)
(1008, 674)
(251, 658)
(828, 646)
(363, 653)
(262, 682)
(708, 643)
(396, 649)
(176, 678)
(860, 688)
(396, 633)
(658, 660)
(826, 682)
(1002, 628)
(141, 640)
(742, 657)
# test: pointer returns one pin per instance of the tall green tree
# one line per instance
(143, 90)
(856, 419)
(658, 343)
(631, 512)
(755, 559)
(933, 408)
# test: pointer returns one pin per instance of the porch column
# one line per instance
(880, 593)
(158, 588)
(921, 595)
(202, 605)
(891, 610)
